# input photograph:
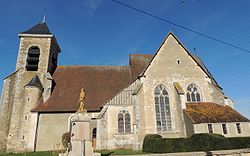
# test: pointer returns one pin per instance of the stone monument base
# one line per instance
(81, 145)
(81, 148)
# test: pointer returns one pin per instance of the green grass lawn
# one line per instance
(119, 152)
(31, 154)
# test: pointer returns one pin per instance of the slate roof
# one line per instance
(208, 112)
(35, 82)
(40, 28)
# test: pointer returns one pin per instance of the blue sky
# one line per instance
(101, 32)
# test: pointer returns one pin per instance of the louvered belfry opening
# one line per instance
(33, 59)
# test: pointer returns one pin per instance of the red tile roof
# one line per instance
(208, 112)
(100, 83)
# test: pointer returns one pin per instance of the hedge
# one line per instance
(149, 141)
(198, 142)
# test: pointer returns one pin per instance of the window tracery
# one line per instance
(193, 94)
(162, 108)
(124, 125)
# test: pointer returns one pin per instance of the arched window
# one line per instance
(33, 59)
(124, 122)
(162, 108)
(193, 94)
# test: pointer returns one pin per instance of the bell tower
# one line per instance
(38, 50)
(36, 63)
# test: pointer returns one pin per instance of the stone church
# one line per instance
(170, 92)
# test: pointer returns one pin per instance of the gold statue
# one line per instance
(82, 101)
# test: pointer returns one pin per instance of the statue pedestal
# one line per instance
(80, 135)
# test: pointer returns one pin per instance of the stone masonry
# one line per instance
(18, 124)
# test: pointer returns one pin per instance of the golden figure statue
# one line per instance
(82, 101)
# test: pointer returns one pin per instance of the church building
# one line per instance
(170, 92)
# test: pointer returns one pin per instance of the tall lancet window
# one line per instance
(162, 108)
(193, 94)
(124, 125)
(33, 58)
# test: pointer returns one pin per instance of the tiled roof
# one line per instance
(100, 83)
(138, 63)
(40, 28)
(208, 112)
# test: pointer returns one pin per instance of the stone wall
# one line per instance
(102, 130)
(18, 101)
(231, 129)
(189, 125)
(21, 107)
(172, 64)
(44, 44)
(8, 92)
(108, 136)
(51, 127)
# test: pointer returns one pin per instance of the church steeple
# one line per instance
(38, 50)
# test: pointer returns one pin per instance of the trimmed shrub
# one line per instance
(197, 142)
(209, 141)
(148, 142)
(239, 142)
(158, 145)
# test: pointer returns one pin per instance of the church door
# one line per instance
(94, 138)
